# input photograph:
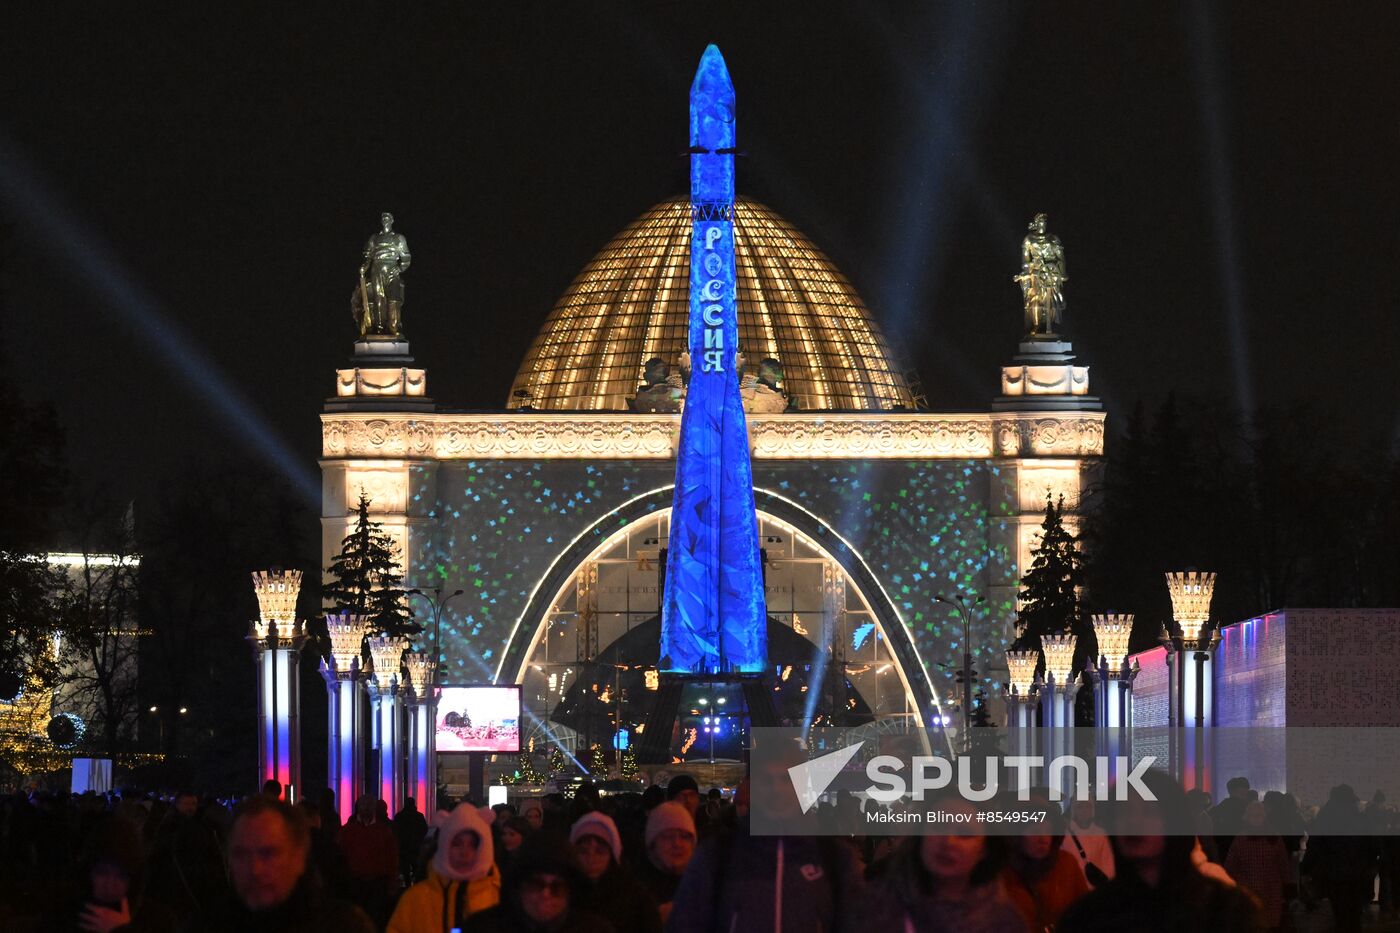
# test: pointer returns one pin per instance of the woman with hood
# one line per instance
(1158, 886)
(462, 876)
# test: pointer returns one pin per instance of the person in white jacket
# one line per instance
(1088, 843)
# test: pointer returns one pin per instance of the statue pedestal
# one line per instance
(381, 376)
(1043, 376)
(382, 348)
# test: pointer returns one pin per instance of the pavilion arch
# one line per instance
(872, 629)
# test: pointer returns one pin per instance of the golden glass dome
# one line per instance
(632, 303)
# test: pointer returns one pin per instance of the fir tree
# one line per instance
(365, 578)
(628, 767)
(1048, 597)
(525, 765)
(556, 761)
(597, 761)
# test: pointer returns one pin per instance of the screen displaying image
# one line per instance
(479, 719)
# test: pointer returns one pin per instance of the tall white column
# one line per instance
(1113, 705)
(345, 686)
(1192, 668)
(422, 773)
(1057, 703)
(276, 637)
(1021, 703)
(387, 653)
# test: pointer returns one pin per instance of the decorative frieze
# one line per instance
(788, 436)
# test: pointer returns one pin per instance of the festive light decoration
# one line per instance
(422, 774)
(345, 688)
(1059, 656)
(1191, 593)
(347, 634)
(1113, 632)
(387, 653)
(1192, 693)
(277, 592)
(276, 637)
(1021, 665)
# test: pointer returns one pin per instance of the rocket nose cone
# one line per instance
(712, 76)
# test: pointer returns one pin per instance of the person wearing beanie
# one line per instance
(540, 894)
(462, 877)
(670, 843)
(608, 888)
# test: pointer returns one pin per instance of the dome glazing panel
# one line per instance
(632, 303)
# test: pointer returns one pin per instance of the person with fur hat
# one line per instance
(540, 894)
(609, 889)
(462, 876)
(670, 844)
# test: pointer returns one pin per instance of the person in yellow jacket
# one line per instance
(462, 876)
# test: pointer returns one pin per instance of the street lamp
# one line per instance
(438, 602)
(276, 637)
(1193, 675)
(960, 604)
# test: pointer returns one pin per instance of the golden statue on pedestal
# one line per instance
(377, 303)
(1041, 279)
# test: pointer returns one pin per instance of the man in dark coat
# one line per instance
(273, 891)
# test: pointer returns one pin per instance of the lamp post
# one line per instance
(387, 654)
(1020, 701)
(1057, 701)
(345, 686)
(960, 604)
(422, 705)
(1113, 683)
(276, 637)
(438, 602)
(1192, 678)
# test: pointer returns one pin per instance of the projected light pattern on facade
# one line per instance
(496, 528)
(712, 618)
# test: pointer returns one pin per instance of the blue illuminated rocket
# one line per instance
(713, 619)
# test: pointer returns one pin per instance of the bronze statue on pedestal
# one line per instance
(1042, 279)
(377, 304)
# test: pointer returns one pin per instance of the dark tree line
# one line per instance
(1287, 511)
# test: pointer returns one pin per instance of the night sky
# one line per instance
(187, 191)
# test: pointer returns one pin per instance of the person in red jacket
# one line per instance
(371, 860)
(1042, 879)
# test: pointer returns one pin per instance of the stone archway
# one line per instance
(623, 547)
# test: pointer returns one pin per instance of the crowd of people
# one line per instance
(672, 859)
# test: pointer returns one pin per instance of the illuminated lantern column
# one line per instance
(1020, 702)
(276, 637)
(387, 654)
(345, 684)
(1192, 694)
(422, 709)
(1113, 699)
(1057, 698)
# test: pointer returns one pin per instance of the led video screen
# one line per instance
(479, 719)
